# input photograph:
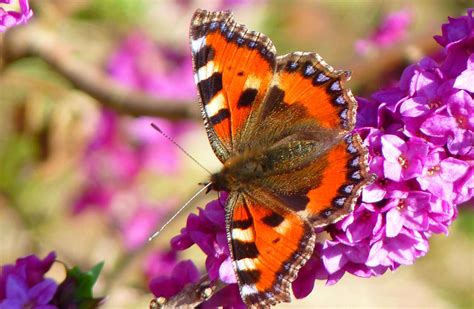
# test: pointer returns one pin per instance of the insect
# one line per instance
(282, 127)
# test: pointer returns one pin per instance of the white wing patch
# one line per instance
(197, 44)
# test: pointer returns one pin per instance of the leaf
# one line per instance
(76, 290)
(85, 280)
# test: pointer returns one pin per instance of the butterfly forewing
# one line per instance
(233, 69)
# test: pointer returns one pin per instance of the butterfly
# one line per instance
(282, 127)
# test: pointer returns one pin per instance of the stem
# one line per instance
(36, 40)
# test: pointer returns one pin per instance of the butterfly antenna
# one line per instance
(181, 148)
(179, 211)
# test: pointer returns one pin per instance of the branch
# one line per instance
(35, 40)
(191, 296)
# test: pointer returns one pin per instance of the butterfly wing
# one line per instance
(311, 96)
(233, 68)
(268, 246)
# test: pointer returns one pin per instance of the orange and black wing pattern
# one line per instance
(303, 81)
(233, 68)
(268, 246)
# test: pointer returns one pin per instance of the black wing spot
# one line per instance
(203, 56)
(222, 115)
(242, 224)
(273, 220)
(243, 250)
(249, 276)
(210, 87)
(247, 97)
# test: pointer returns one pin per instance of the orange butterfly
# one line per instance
(282, 127)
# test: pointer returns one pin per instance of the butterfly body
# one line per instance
(282, 127)
(286, 155)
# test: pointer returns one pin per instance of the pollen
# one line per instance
(462, 122)
(434, 104)
(434, 170)
(401, 204)
(403, 161)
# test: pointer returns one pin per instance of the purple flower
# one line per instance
(160, 263)
(392, 29)
(207, 230)
(407, 209)
(313, 270)
(18, 295)
(10, 16)
(338, 256)
(403, 160)
(23, 284)
(457, 31)
(454, 125)
(167, 286)
(464, 80)
(440, 174)
(402, 249)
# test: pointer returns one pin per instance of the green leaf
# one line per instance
(85, 280)
(76, 290)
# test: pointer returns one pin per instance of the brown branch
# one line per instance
(191, 296)
(35, 40)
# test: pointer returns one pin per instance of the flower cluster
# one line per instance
(420, 136)
(124, 149)
(420, 140)
(392, 29)
(10, 16)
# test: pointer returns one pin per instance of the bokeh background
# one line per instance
(83, 173)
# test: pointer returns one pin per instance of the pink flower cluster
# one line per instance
(124, 149)
(420, 136)
(10, 18)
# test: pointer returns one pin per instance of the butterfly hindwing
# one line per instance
(268, 246)
(331, 185)
(233, 69)
(322, 112)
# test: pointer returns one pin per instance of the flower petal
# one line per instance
(43, 292)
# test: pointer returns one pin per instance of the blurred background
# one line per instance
(84, 174)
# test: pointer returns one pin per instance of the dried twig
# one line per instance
(34, 39)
